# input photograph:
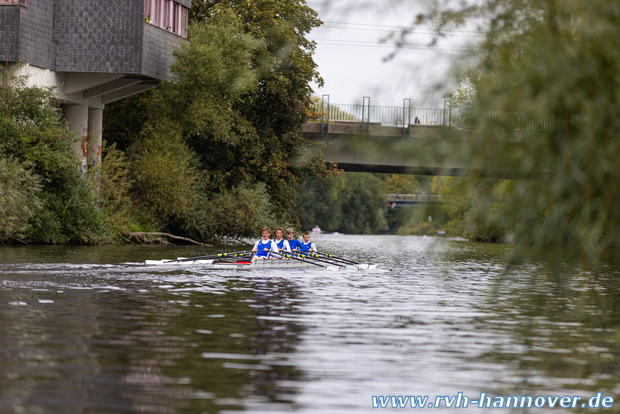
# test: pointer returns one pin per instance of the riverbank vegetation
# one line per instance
(213, 154)
(43, 197)
(217, 152)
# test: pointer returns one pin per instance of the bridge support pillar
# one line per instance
(76, 116)
(95, 127)
(87, 124)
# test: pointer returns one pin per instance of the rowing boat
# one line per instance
(226, 261)
(243, 264)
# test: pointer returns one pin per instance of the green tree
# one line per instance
(319, 202)
(463, 206)
(558, 59)
(278, 105)
(227, 129)
(402, 184)
(349, 203)
(36, 144)
(364, 202)
(19, 188)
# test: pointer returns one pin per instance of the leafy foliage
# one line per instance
(115, 193)
(274, 110)
(164, 174)
(561, 59)
(226, 132)
(403, 184)
(235, 213)
(473, 217)
(18, 198)
(36, 144)
(350, 203)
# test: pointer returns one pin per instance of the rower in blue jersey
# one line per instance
(293, 243)
(265, 246)
(307, 246)
(283, 245)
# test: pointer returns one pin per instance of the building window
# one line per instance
(17, 2)
(168, 15)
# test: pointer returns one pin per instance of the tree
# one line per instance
(364, 200)
(319, 202)
(277, 107)
(226, 131)
(349, 203)
(47, 199)
(558, 59)
(403, 184)
(19, 202)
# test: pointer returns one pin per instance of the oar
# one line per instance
(331, 267)
(193, 259)
(360, 266)
(340, 259)
(315, 256)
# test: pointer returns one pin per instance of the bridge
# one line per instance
(409, 140)
(412, 200)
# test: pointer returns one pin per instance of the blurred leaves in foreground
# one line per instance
(558, 59)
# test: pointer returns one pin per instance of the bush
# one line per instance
(18, 199)
(164, 174)
(240, 212)
(41, 179)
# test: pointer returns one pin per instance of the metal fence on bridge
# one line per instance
(406, 115)
(415, 198)
(385, 115)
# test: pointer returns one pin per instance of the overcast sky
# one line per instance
(354, 63)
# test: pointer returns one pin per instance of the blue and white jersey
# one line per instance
(283, 245)
(305, 247)
(263, 248)
(294, 244)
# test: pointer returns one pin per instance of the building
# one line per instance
(92, 52)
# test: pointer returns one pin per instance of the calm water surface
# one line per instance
(84, 331)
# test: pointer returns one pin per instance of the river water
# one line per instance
(90, 330)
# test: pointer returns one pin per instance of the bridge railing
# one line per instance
(385, 115)
(403, 116)
(420, 198)
(519, 121)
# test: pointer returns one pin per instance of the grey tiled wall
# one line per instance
(102, 36)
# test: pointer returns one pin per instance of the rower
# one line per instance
(265, 246)
(292, 241)
(283, 245)
(307, 246)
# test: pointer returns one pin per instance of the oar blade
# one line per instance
(176, 262)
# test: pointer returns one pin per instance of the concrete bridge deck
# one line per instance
(416, 149)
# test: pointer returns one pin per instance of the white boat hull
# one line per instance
(261, 264)
(176, 262)
(264, 264)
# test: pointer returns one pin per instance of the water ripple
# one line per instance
(83, 334)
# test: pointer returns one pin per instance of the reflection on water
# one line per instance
(85, 331)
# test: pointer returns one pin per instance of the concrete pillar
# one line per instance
(95, 127)
(77, 117)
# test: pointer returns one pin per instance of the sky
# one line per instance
(355, 63)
